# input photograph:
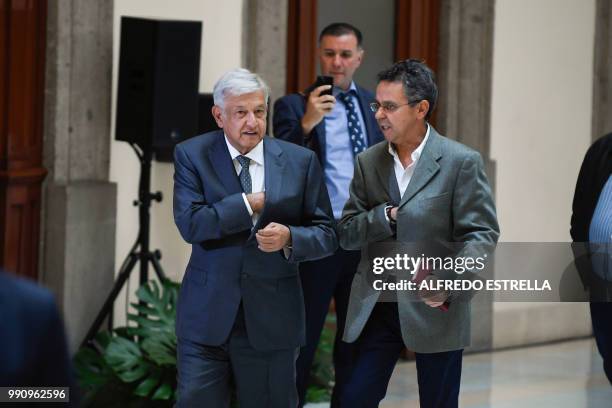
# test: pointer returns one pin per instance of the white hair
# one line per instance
(237, 82)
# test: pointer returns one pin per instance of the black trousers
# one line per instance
(263, 379)
(380, 344)
(323, 280)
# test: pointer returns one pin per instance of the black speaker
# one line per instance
(206, 122)
(157, 96)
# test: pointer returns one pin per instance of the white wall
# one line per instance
(221, 51)
(540, 130)
(541, 112)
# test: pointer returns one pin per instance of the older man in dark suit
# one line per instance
(252, 207)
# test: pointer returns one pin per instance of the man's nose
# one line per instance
(380, 113)
(337, 61)
(251, 119)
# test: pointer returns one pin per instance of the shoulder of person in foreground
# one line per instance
(33, 317)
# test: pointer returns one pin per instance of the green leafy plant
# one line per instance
(134, 366)
(322, 370)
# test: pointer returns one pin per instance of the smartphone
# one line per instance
(321, 80)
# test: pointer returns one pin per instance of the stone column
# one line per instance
(464, 110)
(265, 42)
(602, 78)
(78, 223)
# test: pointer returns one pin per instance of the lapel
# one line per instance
(384, 168)
(394, 193)
(222, 164)
(274, 163)
(319, 131)
(426, 168)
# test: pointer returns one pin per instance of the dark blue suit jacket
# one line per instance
(226, 267)
(289, 111)
(33, 349)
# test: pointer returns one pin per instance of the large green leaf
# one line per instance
(148, 384)
(161, 348)
(103, 338)
(91, 368)
(157, 308)
(164, 392)
(148, 324)
(137, 363)
(126, 359)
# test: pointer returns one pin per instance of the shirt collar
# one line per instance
(336, 90)
(417, 152)
(256, 154)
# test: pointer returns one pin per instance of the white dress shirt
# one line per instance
(404, 175)
(256, 169)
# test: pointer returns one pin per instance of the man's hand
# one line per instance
(274, 237)
(256, 201)
(393, 213)
(434, 299)
(317, 106)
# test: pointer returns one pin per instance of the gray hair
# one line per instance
(237, 82)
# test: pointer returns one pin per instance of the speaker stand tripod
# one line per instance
(140, 250)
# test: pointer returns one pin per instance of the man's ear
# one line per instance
(423, 108)
(218, 115)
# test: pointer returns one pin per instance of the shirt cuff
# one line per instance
(287, 252)
(248, 206)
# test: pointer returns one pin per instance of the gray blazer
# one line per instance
(448, 200)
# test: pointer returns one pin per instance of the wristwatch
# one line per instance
(388, 213)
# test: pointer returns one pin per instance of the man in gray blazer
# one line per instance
(419, 187)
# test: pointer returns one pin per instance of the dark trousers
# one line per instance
(263, 379)
(323, 280)
(380, 344)
(601, 317)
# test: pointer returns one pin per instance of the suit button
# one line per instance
(245, 276)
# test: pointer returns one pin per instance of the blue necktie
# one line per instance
(354, 127)
(245, 176)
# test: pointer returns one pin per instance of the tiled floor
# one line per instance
(562, 375)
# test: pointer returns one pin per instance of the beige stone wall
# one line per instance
(541, 112)
(540, 129)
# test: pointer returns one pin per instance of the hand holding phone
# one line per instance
(319, 102)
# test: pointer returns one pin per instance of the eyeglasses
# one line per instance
(388, 107)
